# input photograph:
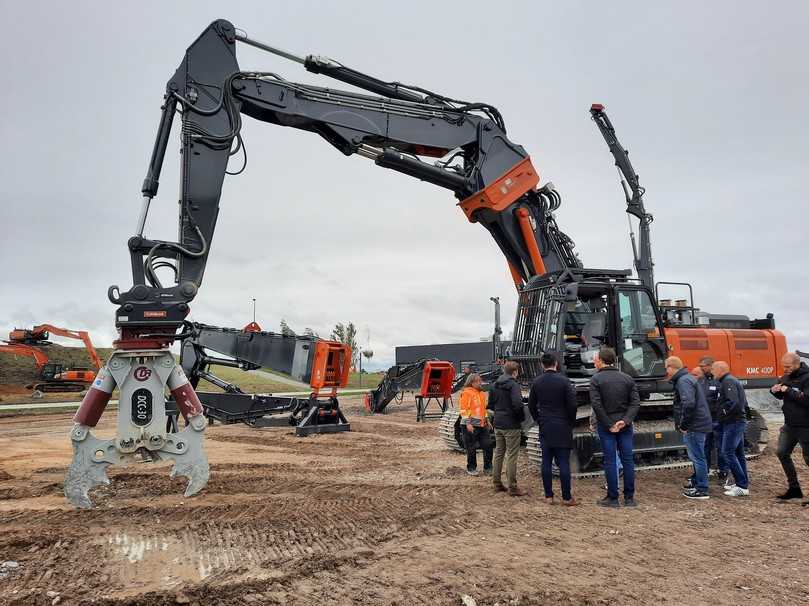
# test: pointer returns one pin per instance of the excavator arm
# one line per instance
(80, 335)
(20, 349)
(633, 192)
(491, 176)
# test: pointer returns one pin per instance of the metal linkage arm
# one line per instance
(633, 193)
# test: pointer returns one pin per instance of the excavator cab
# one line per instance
(574, 313)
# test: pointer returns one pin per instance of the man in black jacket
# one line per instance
(552, 404)
(615, 401)
(733, 417)
(714, 442)
(793, 390)
(505, 399)
(693, 418)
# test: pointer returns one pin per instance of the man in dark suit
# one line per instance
(552, 403)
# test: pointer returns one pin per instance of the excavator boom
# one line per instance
(491, 177)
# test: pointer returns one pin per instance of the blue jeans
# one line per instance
(721, 464)
(562, 456)
(695, 444)
(620, 442)
(733, 451)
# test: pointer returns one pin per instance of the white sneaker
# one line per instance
(737, 492)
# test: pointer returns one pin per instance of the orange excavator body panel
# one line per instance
(751, 353)
(502, 192)
(79, 376)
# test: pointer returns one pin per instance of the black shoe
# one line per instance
(689, 483)
(608, 502)
(721, 476)
(630, 502)
(695, 493)
(791, 493)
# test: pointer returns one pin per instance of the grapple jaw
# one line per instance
(142, 377)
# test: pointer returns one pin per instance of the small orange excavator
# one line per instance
(53, 377)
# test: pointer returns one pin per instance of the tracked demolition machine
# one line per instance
(574, 311)
(491, 177)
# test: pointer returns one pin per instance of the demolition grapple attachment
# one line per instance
(142, 377)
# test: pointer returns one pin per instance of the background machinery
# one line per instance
(471, 155)
(53, 377)
(324, 365)
(431, 380)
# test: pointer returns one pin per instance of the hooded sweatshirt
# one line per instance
(505, 399)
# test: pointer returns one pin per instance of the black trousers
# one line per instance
(479, 437)
(787, 440)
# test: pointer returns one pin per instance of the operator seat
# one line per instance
(593, 332)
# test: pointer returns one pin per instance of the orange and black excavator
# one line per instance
(53, 377)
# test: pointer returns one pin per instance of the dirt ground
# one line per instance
(381, 515)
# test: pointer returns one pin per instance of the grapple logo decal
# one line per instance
(141, 406)
(142, 373)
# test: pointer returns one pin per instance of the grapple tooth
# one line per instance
(191, 462)
(87, 470)
(196, 471)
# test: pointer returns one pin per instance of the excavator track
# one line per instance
(59, 387)
(756, 439)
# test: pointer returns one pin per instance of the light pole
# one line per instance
(254, 310)
(497, 329)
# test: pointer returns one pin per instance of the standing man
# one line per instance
(505, 399)
(732, 416)
(693, 419)
(714, 442)
(552, 404)
(473, 418)
(793, 390)
(614, 398)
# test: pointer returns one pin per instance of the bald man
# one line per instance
(793, 390)
(733, 417)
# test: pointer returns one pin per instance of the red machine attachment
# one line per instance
(436, 385)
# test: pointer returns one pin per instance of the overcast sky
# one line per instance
(710, 98)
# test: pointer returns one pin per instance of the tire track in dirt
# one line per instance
(229, 537)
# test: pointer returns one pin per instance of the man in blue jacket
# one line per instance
(693, 418)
